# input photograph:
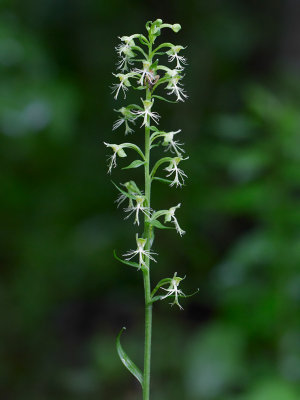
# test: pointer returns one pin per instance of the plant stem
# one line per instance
(146, 273)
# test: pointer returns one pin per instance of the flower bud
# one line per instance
(121, 153)
(117, 149)
(140, 242)
(158, 22)
(176, 27)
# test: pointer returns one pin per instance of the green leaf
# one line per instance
(164, 99)
(154, 65)
(155, 145)
(163, 180)
(156, 298)
(190, 295)
(139, 87)
(123, 192)
(133, 147)
(130, 106)
(135, 164)
(126, 360)
(159, 225)
(153, 128)
(130, 263)
(143, 41)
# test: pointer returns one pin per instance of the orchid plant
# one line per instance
(139, 68)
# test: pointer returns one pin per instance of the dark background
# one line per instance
(63, 296)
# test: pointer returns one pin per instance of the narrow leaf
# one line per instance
(135, 164)
(159, 225)
(155, 298)
(192, 294)
(123, 192)
(164, 99)
(163, 180)
(155, 145)
(143, 41)
(160, 283)
(130, 106)
(154, 65)
(139, 87)
(130, 263)
(153, 128)
(126, 360)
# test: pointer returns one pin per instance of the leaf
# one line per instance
(154, 65)
(130, 263)
(164, 99)
(155, 145)
(156, 298)
(192, 294)
(123, 192)
(162, 282)
(130, 106)
(139, 87)
(143, 41)
(159, 225)
(163, 180)
(135, 164)
(126, 360)
(153, 128)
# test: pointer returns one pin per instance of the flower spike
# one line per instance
(139, 68)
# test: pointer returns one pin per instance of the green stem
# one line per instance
(146, 273)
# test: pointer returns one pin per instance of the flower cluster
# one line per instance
(139, 68)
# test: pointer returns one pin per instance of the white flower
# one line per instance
(124, 62)
(125, 51)
(127, 116)
(145, 73)
(124, 83)
(170, 216)
(118, 150)
(174, 85)
(123, 48)
(179, 174)
(140, 200)
(174, 291)
(172, 145)
(147, 112)
(173, 54)
(140, 251)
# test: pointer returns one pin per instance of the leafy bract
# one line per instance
(127, 361)
(135, 164)
(130, 263)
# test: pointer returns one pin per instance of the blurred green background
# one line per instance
(63, 296)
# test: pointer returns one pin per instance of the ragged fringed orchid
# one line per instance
(139, 68)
